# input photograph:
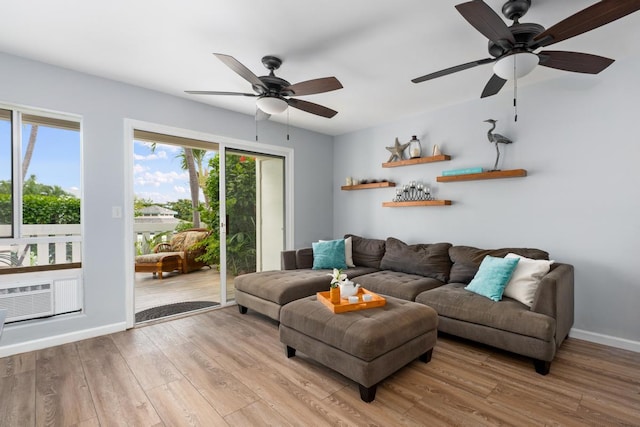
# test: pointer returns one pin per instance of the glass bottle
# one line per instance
(414, 147)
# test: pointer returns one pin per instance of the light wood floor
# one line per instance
(221, 368)
(201, 285)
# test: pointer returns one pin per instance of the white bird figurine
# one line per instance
(496, 138)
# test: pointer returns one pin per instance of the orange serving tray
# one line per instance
(344, 305)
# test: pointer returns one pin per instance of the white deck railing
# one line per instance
(61, 243)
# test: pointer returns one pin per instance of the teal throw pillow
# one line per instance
(329, 254)
(492, 277)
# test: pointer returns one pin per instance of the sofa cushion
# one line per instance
(428, 260)
(366, 252)
(525, 278)
(329, 254)
(466, 260)
(284, 286)
(492, 277)
(304, 258)
(397, 284)
(156, 257)
(454, 302)
(348, 251)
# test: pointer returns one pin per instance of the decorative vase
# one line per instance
(334, 295)
(414, 147)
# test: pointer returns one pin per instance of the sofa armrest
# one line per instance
(288, 260)
(555, 298)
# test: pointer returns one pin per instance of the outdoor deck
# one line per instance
(202, 285)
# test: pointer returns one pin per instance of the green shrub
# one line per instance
(42, 209)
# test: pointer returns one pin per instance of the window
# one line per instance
(40, 177)
(6, 192)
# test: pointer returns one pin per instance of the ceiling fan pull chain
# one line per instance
(515, 91)
(256, 120)
(287, 124)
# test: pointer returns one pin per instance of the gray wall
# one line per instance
(578, 138)
(104, 105)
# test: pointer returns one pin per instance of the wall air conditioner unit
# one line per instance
(27, 301)
(67, 295)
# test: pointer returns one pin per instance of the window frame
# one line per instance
(49, 119)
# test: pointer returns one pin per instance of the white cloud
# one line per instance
(156, 197)
(171, 148)
(138, 169)
(158, 178)
(152, 156)
(180, 189)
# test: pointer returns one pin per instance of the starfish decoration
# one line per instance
(396, 150)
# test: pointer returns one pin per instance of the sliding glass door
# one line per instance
(253, 230)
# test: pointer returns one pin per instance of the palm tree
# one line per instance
(197, 156)
(193, 184)
(188, 163)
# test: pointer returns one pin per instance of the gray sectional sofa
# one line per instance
(434, 275)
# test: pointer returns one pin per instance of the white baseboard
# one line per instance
(605, 340)
(39, 344)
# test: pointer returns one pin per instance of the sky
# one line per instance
(55, 159)
(157, 175)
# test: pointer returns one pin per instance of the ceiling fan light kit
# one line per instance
(272, 104)
(515, 65)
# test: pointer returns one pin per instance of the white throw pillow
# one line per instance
(525, 278)
(348, 252)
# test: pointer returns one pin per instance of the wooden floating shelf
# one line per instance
(369, 185)
(417, 203)
(514, 173)
(419, 160)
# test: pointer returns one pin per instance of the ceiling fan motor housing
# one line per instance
(275, 85)
(523, 33)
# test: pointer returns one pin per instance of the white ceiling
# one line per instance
(373, 47)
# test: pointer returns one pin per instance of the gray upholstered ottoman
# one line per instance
(367, 345)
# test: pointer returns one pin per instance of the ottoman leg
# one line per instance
(367, 394)
(291, 352)
(426, 357)
(242, 309)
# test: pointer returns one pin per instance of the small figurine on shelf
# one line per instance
(496, 138)
(436, 150)
(397, 150)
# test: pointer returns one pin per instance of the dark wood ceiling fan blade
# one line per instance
(213, 92)
(486, 20)
(592, 17)
(493, 86)
(310, 107)
(240, 69)
(574, 61)
(310, 87)
(452, 70)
